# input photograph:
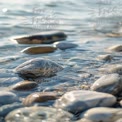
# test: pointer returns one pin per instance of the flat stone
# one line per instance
(102, 114)
(116, 48)
(39, 114)
(111, 83)
(41, 38)
(106, 57)
(80, 100)
(4, 110)
(64, 45)
(24, 86)
(39, 97)
(38, 67)
(39, 50)
(7, 98)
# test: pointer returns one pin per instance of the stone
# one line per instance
(39, 97)
(106, 57)
(24, 86)
(5, 109)
(102, 114)
(41, 38)
(115, 68)
(111, 83)
(120, 103)
(39, 114)
(7, 98)
(116, 48)
(80, 100)
(64, 45)
(38, 67)
(39, 50)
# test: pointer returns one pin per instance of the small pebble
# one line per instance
(39, 97)
(24, 86)
(106, 57)
(116, 48)
(39, 50)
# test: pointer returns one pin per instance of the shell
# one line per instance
(38, 97)
(39, 50)
(25, 85)
(38, 67)
(41, 38)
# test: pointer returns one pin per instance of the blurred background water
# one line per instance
(86, 23)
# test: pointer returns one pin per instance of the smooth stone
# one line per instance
(4, 110)
(39, 114)
(64, 45)
(115, 68)
(38, 67)
(102, 114)
(116, 48)
(111, 83)
(41, 38)
(80, 100)
(106, 57)
(39, 50)
(7, 98)
(39, 97)
(24, 86)
(120, 103)
(119, 120)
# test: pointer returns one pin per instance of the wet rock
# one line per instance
(7, 98)
(111, 83)
(64, 45)
(102, 114)
(25, 85)
(39, 97)
(116, 48)
(119, 120)
(39, 50)
(106, 57)
(4, 110)
(38, 114)
(38, 67)
(121, 103)
(41, 38)
(80, 100)
(116, 68)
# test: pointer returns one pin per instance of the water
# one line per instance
(87, 23)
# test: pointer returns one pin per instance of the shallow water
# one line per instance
(86, 23)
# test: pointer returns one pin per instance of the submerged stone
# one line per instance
(111, 83)
(116, 48)
(64, 45)
(39, 114)
(80, 100)
(41, 38)
(106, 57)
(38, 67)
(39, 50)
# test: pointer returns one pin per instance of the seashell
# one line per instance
(39, 50)
(38, 67)
(41, 38)
(25, 85)
(38, 97)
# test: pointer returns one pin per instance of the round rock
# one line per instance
(102, 114)
(111, 83)
(25, 85)
(7, 98)
(116, 48)
(41, 38)
(106, 57)
(38, 97)
(64, 45)
(39, 50)
(38, 67)
(80, 100)
(39, 114)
